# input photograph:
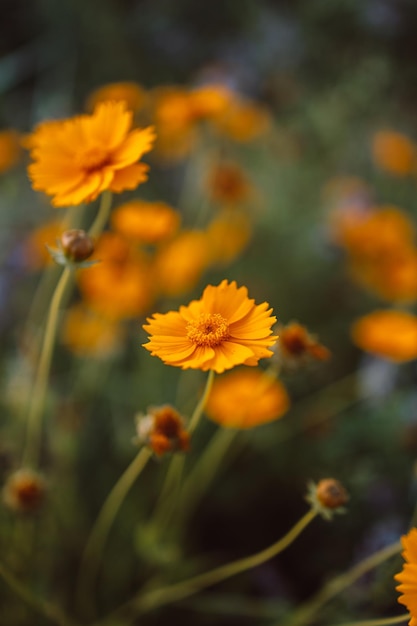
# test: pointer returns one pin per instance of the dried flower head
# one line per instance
(78, 158)
(296, 344)
(162, 429)
(246, 398)
(407, 577)
(328, 497)
(223, 329)
(24, 491)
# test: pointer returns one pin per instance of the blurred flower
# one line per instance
(88, 333)
(24, 491)
(208, 101)
(76, 159)
(295, 345)
(223, 329)
(35, 246)
(180, 264)
(408, 575)
(228, 184)
(162, 429)
(228, 235)
(248, 398)
(388, 334)
(132, 94)
(10, 149)
(121, 285)
(328, 497)
(394, 152)
(243, 120)
(147, 222)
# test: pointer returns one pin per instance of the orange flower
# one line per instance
(243, 399)
(148, 222)
(162, 429)
(243, 120)
(180, 264)
(389, 334)
(408, 576)
(76, 159)
(295, 344)
(394, 152)
(209, 100)
(87, 333)
(223, 329)
(131, 93)
(228, 184)
(228, 235)
(9, 149)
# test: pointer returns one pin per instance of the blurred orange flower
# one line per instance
(131, 93)
(162, 429)
(394, 152)
(223, 329)
(35, 250)
(243, 120)
(246, 398)
(148, 222)
(78, 158)
(295, 344)
(228, 235)
(388, 334)
(87, 333)
(10, 149)
(180, 264)
(408, 576)
(228, 184)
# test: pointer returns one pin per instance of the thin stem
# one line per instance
(335, 586)
(102, 216)
(179, 591)
(198, 411)
(386, 621)
(34, 421)
(90, 561)
(43, 607)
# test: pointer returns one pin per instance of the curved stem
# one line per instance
(386, 621)
(179, 591)
(90, 561)
(41, 606)
(198, 411)
(34, 419)
(335, 586)
(102, 216)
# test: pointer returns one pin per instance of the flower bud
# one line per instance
(162, 429)
(76, 245)
(24, 491)
(327, 497)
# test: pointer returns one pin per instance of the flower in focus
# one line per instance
(132, 94)
(180, 264)
(295, 344)
(162, 429)
(147, 222)
(223, 329)
(388, 334)
(246, 398)
(78, 158)
(394, 152)
(24, 491)
(10, 149)
(408, 575)
(88, 333)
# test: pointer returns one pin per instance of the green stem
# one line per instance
(34, 420)
(43, 607)
(102, 216)
(90, 561)
(386, 621)
(198, 411)
(179, 591)
(335, 586)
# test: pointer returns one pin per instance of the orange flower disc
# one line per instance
(223, 329)
(77, 159)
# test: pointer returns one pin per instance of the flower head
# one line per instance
(76, 159)
(394, 152)
(162, 429)
(147, 222)
(408, 576)
(327, 497)
(24, 491)
(296, 344)
(131, 93)
(246, 398)
(388, 334)
(223, 329)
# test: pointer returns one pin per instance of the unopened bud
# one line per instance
(76, 245)
(328, 496)
(24, 491)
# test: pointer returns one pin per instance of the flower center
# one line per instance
(210, 329)
(93, 159)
